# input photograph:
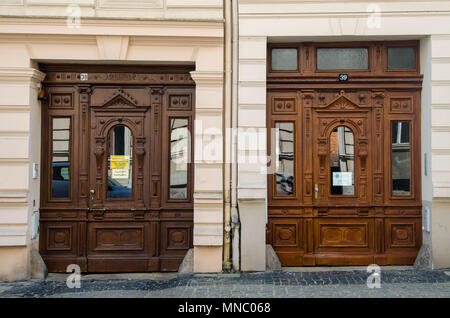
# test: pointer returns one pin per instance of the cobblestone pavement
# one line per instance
(394, 283)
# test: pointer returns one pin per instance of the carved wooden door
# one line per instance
(342, 128)
(117, 173)
(344, 186)
(341, 149)
(120, 157)
(333, 195)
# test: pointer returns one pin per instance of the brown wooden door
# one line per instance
(118, 239)
(345, 176)
(112, 198)
(342, 172)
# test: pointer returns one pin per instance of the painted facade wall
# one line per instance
(261, 22)
(157, 32)
(192, 31)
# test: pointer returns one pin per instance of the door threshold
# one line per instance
(116, 276)
(343, 268)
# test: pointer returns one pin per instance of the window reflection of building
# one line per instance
(61, 158)
(285, 158)
(179, 152)
(401, 160)
(342, 161)
(120, 163)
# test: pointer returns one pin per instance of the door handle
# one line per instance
(92, 191)
(316, 191)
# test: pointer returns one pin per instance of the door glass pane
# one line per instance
(120, 163)
(179, 158)
(284, 59)
(342, 161)
(285, 163)
(401, 57)
(342, 59)
(401, 158)
(61, 158)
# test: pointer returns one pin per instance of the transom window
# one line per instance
(360, 58)
(401, 58)
(342, 58)
(284, 59)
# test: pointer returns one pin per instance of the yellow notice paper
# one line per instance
(120, 162)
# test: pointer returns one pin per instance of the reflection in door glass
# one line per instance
(61, 158)
(401, 158)
(120, 163)
(285, 158)
(179, 154)
(342, 161)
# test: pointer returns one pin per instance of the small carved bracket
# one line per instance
(98, 214)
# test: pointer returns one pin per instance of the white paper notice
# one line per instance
(342, 179)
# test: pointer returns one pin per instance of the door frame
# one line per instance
(295, 223)
(166, 228)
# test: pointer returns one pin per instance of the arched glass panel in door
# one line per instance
(342, 161)
(120, 163)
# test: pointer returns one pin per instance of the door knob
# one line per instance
(316, 191)
(92, 191)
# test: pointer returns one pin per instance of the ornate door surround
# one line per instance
(144, 229)
(310, 222)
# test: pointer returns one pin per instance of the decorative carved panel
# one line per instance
(284, 105)
(61, 100)
(285, 234)
(118, 238)
(343, 235)
(401, 233)
(180, 102)
(120, 98)
(401, 105)
(114, 78)
(59, 238)
(178, 238)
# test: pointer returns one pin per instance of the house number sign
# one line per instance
(84, 76)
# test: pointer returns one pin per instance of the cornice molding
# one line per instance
(91, 39)
(24, 75)
(34, 30)
(207, 77)
(176, 41)
(100, 21)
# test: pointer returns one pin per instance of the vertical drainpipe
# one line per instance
(227, 263)
(235, 219)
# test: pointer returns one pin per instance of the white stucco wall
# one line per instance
(24, 41)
